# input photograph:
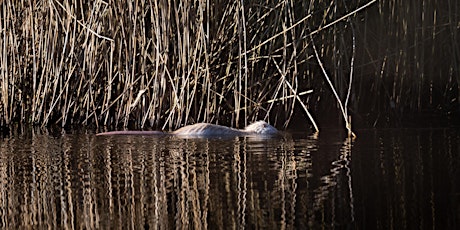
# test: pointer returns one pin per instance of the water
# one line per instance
(384, 179)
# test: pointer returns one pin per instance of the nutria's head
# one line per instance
(261, 127)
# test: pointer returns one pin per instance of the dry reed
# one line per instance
(165, 63)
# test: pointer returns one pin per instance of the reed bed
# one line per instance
(166, 63)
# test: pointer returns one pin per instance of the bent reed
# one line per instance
(166, 63)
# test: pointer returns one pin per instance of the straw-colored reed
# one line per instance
(166, 63)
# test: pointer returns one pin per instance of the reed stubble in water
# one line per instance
(166, 63)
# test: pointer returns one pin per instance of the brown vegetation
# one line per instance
(166, 63)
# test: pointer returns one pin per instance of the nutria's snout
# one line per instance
(261, 127)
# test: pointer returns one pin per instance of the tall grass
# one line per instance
(165, 63)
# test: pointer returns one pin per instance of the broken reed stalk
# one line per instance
(339, 101)
(284, 81)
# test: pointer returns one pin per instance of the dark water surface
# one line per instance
(384, 179)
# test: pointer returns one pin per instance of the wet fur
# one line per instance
(205, 129)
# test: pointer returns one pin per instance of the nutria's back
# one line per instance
(205, 129)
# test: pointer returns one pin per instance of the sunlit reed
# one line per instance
(167, 63)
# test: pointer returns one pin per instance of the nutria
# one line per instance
(209, 130)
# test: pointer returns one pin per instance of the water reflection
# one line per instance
(413, 179)
(384, 179)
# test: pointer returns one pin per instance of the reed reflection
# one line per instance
(411, 179)
(332, 197)
(140, 182)
(383, 179)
